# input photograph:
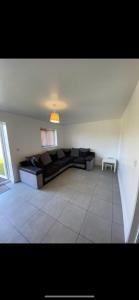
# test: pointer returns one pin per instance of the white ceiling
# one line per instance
(84, 90)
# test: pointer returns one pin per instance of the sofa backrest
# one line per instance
(75, 152)
(53, 155)
(67, 151)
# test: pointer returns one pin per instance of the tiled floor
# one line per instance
(2, 180)
(3, 188)
(78, 206)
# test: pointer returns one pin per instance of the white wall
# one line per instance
(24, 137)
(100, 136)
(128, 172)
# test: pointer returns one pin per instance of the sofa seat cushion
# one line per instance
(79, 160)
(50, 170)
(63, 162)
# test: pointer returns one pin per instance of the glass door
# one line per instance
(3, 167)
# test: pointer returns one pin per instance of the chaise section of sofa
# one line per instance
(31, 175)
(38, 169)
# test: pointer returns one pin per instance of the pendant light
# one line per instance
(54, 117)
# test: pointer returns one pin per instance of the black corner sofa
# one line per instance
(38, 169)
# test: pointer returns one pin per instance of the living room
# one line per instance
(97, 103)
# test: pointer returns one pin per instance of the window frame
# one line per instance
(55, 138)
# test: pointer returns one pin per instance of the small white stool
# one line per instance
(109, 161)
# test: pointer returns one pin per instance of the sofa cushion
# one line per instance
(45, 158)
(60, 154)
(50, 170)
(74, 152)
(84, 152)
(35, 161)
(67, 151)
(28, 158)
(79, 160)
(63, 162)
(53, 156)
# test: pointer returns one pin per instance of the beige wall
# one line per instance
(128, 172)
(24, 137)
(100, 136)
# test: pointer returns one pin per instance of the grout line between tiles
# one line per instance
(17, 229)
(74, 204)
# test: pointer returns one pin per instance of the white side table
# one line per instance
(110, 161)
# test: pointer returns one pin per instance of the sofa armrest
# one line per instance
(90, 161)
(32, 170)
(32, 176)
(92, 153)
(90, 156)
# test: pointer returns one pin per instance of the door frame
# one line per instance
(4, 151)
(134, 231)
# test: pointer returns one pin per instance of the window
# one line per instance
(48, 137)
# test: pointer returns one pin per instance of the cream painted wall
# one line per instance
(128, 172)
(100, 136)
(24, 137)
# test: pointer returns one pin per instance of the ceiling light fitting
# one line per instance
(54, 117)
